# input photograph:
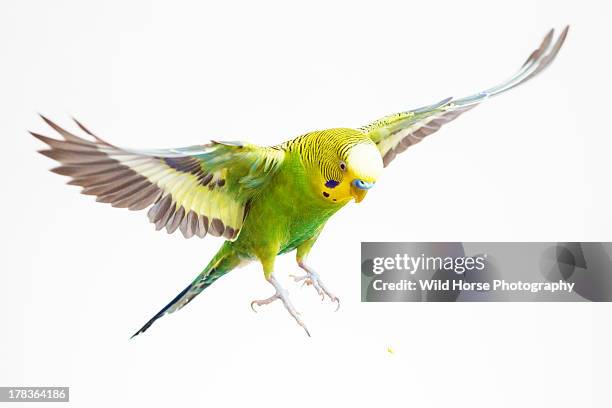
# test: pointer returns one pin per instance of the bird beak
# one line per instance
(359, 189)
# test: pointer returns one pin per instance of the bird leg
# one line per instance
(312, 278)
(283, 295)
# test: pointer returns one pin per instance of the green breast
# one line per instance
(286, 212)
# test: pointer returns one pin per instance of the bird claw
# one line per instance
(269, 300)
(282, 295)
(312, 278)
(337, 300)
(253, 303)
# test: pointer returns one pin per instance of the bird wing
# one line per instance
(199, 189)
(395, 133)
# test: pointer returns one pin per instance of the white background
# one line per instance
(78, 278)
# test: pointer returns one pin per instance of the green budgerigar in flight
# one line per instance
(263, 201)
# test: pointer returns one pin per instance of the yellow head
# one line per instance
(346, 164)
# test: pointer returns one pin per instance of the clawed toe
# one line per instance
(337, 300)
(262, 302)
(312, 279)
(282, 295)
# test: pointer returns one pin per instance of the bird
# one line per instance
(263, 201)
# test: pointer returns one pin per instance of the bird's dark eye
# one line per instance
(342, 166)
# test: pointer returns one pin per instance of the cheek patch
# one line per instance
(331, 183)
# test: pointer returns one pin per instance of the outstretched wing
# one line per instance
(395, 133)
(199, 189)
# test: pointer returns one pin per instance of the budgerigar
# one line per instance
(264, 201)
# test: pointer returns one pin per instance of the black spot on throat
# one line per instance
(326, 194)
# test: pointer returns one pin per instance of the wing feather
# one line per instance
(393, 134)
(198, 189)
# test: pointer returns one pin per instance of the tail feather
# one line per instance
(162, 312)
(223, 262)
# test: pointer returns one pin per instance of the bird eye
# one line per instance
(342, 165)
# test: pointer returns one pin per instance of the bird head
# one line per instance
(349, 166)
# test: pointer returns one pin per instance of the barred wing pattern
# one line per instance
(393, 134)
(200, 189)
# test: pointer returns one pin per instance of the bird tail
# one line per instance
(224, 261)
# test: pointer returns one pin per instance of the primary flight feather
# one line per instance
(264, 201)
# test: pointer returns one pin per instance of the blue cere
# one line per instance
(362, 185)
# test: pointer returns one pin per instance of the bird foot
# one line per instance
(312, 278)
(283, 295)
